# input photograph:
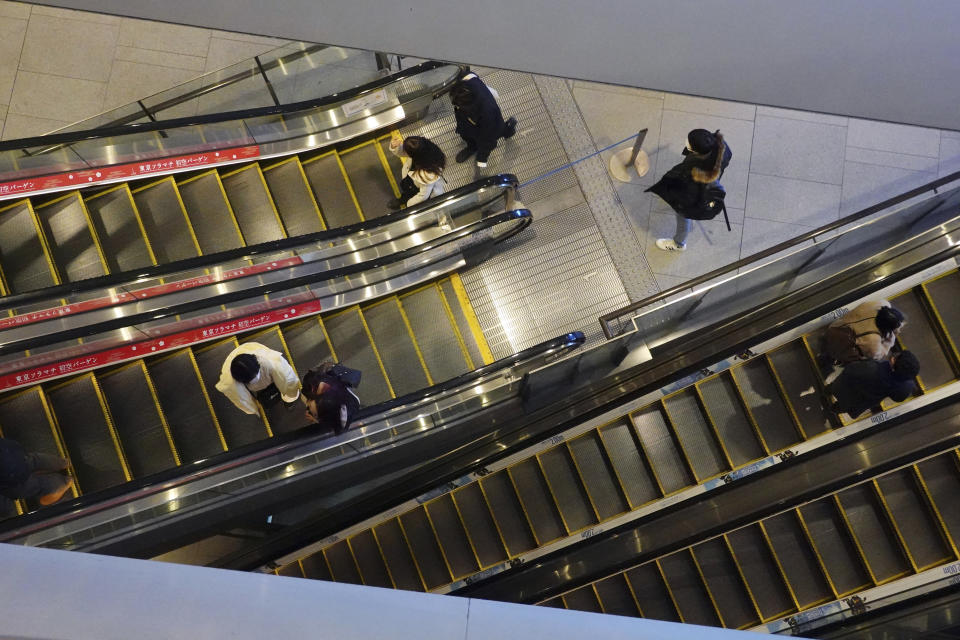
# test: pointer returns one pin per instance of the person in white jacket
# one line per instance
(422, 172)
(250, 369)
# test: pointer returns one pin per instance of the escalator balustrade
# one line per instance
(899, 524)
(694, 434)
(141, 417)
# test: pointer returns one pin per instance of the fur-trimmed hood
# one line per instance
(705, 173)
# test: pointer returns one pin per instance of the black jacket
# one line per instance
(865, 383)
(14, 469)
(482, 123)
(684, 186)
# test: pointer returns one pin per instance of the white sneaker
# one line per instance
(667, 244)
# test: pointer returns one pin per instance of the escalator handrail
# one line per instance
(522, 215)
(127, 492)
(504, 180)
(225, 116)
(605, 319)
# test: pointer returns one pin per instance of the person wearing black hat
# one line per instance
(479, 120)
(684, 187)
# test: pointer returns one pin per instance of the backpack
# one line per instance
(711, 205)
(840, 344)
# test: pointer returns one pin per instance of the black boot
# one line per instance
(395, 203)
(465, 154)
(509, 128)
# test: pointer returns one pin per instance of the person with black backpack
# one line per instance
(329, 396)
(692, 188)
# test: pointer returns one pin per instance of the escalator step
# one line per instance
(137, 419)
(872, 531)
(369, 561)
(282, 419)
(331, 191)
(352, 347)
(291, 570)
(115, 221)
(919, 337)
(252, 205)
(840, 557)
(210, 215)
(435, 334)
(238, 428)
(720, 574)
(942, 477)
(508, 513)
(469, 339)
(479, 523)
(723, 403)
(369, 180)
(583, 599)
(86, 434)
(615, 596)
(178, 388)
(425, 549)
(291, 193)
(913, 519)
(22, 418)
(943, 293)
(343, 566)
(598, 476)
(165, 221)
(760, 571)
(695, 434)
(452, 536)
(396, 346)
(567, 489)
(629, 463)
(308, 346)
(651, 593)
(537, 503)
(797, 559)
(393, 161)
(796, 371)
(64, 223)
(397, 554)
(24, 261)
(688, 591)
(315, 567)
(761, 395)
(661, 449)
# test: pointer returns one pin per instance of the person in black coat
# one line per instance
(479, 120)
(31, 475)
(684, 186)
(329, 396)
(865, 383)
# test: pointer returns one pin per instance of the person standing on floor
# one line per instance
(479, 120)
(254, 373)
(685, 186)
(32, 475)
(423, 165)
(864, 384)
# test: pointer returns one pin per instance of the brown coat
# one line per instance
(863, 321)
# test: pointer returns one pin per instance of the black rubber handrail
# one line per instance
(157, 482)
(225, 116)
(23, 344)
(504, 180)
(605, 319)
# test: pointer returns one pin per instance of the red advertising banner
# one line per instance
(86, 177)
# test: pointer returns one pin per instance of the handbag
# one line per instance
(408, 188)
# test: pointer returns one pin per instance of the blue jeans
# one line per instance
(683, 228)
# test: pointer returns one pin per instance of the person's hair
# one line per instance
(328, 406)
(888, 321)
(424, 155)
(311, 380)
(244, 367)
(462, 95)
(906, 366)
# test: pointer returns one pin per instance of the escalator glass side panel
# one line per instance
(651, 593)
(872, 533)
(629, 463)
(398, 556)
(600, 481)
(315, 567)
(723, 579)
(343, 566)
(452, 536)
(725, 408)
(370, 561)
(567, 489)
(684, 582)
(761, 572)
(763, 398)
(921, 532)
(478, 521)
(508, 513)
(941, 476)
(832, 543)
(696, 436)
(919, 335)
(798, 559)
(796, 372)
(396, 345)
(426, 550)
(537, 503)
(583, 599)
(117, 224)
(616, 597)
(666, 459)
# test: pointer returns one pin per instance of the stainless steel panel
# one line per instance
(876, 538)
(163, 218)
(919, 337)
(598, 476)
(331, 191)
(435, 335)
(832, 542)
(395, 345)
(583, 599)
(942, 476)
(723, 403)
(796, 371)
(252, 205)
(723, 581)
(369, 180)
(567, 489)
(629, 463)
(70, 240)
(210, 214)
(615, 596)
(294, 200)
(479, 524)
(342, 564)
(537, 502)
(662, 451)
(238, 428)
(766, 405)
(426, 551)
(461, 319)
(115, 221)
(760, 571)
(695, 435)
(452, 536)
(22, 256)
(372, 569)
(797, 559)
(508, 513)
(688, 591)
(86, 435)
(397, 554)
(913, 518)
(651, 593)
(315, 567)
(352, 347)
(137, 420)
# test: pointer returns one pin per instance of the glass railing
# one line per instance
(787, 269)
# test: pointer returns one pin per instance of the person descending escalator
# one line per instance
(868, 332)
(328, 392)
(253, 373)
(423, 165)
(864, 384)
(32, 475)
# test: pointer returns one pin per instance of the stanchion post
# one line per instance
(636, 147)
